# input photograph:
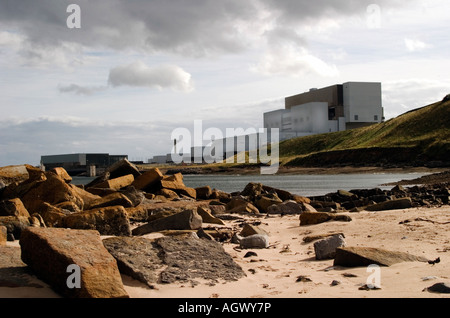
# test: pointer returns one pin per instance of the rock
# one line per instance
(49, 252)
(221, 196)
(207, 217)
(189, 192)
(189, 258)
(87, 197)
(254, 241)
(136, 257)
(326, 248)
(54, 190)
(107, 221)
(169, 194)
(117, 183)
(112, 200)
(245, 209)
(252, 190)
(442, 288)
(300, 199)
(122, 168)
(11, 174)
(403, 203)
(217, 209)
(148, 180)
(249, 230)
(186, 220)
(203, 193)
(201, 233)
(67, 206)
(312, 238)
(365, 256)
(52, 215)
(174, 182)
(13, 207)
(14, 225)
(287, 207)
(119, 169)
(3, 235)
(265, 201)
(136, 197)
(62, 173)
(308, 208)
(310, 218)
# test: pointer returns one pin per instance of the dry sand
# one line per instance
(274, 271)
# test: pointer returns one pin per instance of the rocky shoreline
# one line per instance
(112, 222)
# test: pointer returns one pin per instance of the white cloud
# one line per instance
(138, 74)
(414, 45)
(295, 62)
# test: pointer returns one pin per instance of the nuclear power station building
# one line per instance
(331, 109)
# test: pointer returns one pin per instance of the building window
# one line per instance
(356, 117)
(375, 117)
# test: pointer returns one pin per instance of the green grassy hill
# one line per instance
(417, 137)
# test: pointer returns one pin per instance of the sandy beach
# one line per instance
(274, 272)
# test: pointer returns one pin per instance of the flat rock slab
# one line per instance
(50, 251)
(173, 259)
(365, 256)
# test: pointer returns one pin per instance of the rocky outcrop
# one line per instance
(51, 252)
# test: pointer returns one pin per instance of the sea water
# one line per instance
(305, 185)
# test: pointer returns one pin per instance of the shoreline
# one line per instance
(214, 170)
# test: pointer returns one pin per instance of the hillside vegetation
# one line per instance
(418, 137)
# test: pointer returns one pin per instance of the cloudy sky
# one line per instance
(136, 70)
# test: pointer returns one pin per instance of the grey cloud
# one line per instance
(139, 74)
(195, 27)
(81, 90)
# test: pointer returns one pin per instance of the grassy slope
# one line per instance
(426, 129)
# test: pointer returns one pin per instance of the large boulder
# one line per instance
(62, 173)
(117, 183)
(259, 241)
(11, 174)
(398, 204)
(186, 220)
(326, 248)
(203, 193)
(108, 221)
(287, 207)
(53, 190)
(310, 218)
(264, 202)
(116, 170)
(50, 252)
(148, 180)
(365, 256)
(207, 217)
(13, 207)
(173, 259)
(112, 199)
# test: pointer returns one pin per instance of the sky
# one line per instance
(119, 76)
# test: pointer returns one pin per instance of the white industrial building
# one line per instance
(331, 109)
